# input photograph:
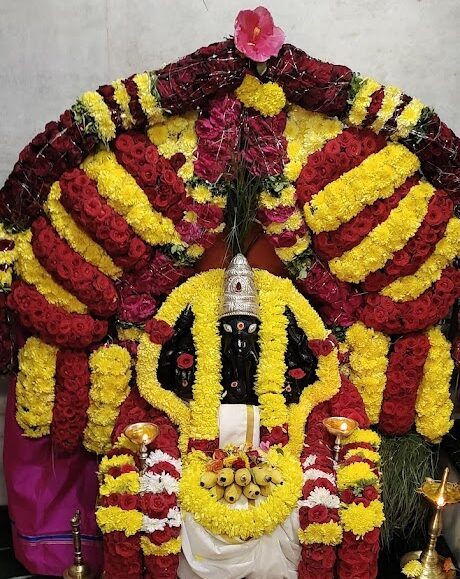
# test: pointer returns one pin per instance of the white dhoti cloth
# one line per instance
(207, 556)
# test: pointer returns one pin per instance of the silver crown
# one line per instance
(240, 293)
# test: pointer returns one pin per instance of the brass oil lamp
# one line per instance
(341, 428)
(79, 569)
(142, 434)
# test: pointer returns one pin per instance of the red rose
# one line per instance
(159, 537)
(162, 567)
(347, 496)
(157, 505)
(319, 556)
(167, 438)
(308, 487)
(318, 514)
(185, 361)
(296, 373)
(166, 467)
(160, 331)
(127, 502)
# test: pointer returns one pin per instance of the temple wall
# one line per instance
(52, 50)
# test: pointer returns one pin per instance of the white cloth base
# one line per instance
(233, 425)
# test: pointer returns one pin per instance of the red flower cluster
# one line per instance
(407, 260)
(310, 83)
(349, 403)
(6, 343)
(125, 501)
(337, 301)
(217, 132)
(374, 107)
(79, 195)
(154, 174)
(439, 153)
(275, 435)
(339, 155)
(159, 331)
(156, 505)
(323, 347)
(404, 374)
(135, 308)
(206, 446)
(59, 148)
(317, 562)
(264, 144)
(71, 400)
(358, 558)
(161, 567)
(122, 556)
(53, 324)
(191, 81)
(383, 314)
(330, 244)
(209, 216)
(72, 272)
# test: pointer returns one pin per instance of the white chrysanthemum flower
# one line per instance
(159, 483)
(322, 496)
(314, 473)
(159, 456)
(150, 525)
(174, 517)
(310, 460)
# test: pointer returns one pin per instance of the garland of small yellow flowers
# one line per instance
(321, 533)
(385, 239)
(31, 271)
(306, 132)
(255, 522)
(110, 376)
(170, 547)
(151, 108)
(408, 118)
(412, 286)
(125, 196)
(94, 105)
(268, 99)
(391, 99)
(122, 99)
(78, 239)
(361, 102)
(375, 178)
(35, 387)
(434, 406)
(7, 257)
(368, 364)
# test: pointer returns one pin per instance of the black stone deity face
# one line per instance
(240, 358)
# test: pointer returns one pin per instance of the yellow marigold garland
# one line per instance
(177, 135)
(287, 254)
(362, 101)
(30, 270)
(434, 406)
(386, 238)
(357, 474)
(364, 453)
(127, 482)
(94, 104)
(126, 197)
(376, 178)
(7, 257)
(171, 547)
(365, 435)
(322, 533)
(291, 224)
(408, 118)
(35, 387)
(78, 240)
(115, 461)
(306, 132)
(202, 194)
(269, 98)
(391, 99)
(287, 197)
(368, 364)
(111, 519)
(412, 286)
(110, 376)
(149, 104)
(359, 520)
(219, 519)
(123, 99)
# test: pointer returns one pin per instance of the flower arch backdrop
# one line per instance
(354, 184)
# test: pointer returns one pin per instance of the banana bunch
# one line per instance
(252, 482)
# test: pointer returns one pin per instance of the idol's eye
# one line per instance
(252, 328)
(228, 328)
(240, 326)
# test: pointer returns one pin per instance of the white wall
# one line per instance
(52, 50)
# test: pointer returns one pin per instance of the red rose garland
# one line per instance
(419, 247)
(374, 107)
(339, 155)
(404, 373)
(383, 314)
(348, 402)
(71, 400)
(80, 197)
(71, 271)
(53, 324)
(330, 244)
(154, 174)
(265, 146)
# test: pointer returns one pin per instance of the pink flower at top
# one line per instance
(256, 36)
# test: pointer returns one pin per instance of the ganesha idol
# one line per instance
(245, 369)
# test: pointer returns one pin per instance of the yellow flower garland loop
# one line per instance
(254, 522)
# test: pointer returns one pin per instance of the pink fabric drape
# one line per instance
(44, 490)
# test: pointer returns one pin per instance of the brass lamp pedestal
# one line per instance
(341, 428)
(79, 570)
(439, 494)
(142, 434)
